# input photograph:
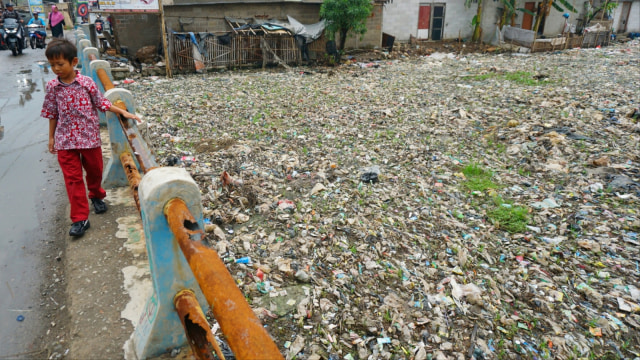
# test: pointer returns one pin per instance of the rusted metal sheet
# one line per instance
(247, 338)
(196, 327)
(131, 170)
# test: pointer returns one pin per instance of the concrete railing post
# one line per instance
(92, 71)
(85, 30)
(83, 44)
(159, 328)
(86, 68)
(79, 36)
(114, 175)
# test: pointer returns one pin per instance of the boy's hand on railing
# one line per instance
(129, 115)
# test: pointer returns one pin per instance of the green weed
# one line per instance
(521, 77)
(483, 77)
(504, 215)
(478, 179)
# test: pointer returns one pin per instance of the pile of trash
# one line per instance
(434, 207)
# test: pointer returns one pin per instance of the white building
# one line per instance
(450, 19)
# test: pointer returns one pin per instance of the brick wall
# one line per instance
(373, 37)
(135, 30)
(210, 18)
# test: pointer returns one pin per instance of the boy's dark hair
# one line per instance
(61, 47)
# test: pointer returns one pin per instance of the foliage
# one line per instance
(509, 11)
(607, 7)
(546, 6)
(476, 21)
(478, 179)
(345, 17)
(506, 216)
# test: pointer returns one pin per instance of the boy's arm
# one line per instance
(125, 113)
(104, 104)
(52, 131)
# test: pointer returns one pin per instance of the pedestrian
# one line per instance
(71, 104)
(56, 22)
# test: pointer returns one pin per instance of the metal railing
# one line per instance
(183, 270)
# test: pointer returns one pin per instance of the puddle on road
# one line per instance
(27, 82)
(27, 89)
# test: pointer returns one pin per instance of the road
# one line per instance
(30, 190)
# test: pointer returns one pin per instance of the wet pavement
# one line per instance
(29, 184)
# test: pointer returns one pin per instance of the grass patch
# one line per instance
(478, 179)
(482, 77)
(520, 77)
(505, 216)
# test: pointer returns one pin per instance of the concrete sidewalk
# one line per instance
(107, 274)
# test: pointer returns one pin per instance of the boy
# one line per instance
(71, 105)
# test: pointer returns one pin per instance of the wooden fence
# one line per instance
(237, 50)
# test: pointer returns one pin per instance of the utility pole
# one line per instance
(163, 31)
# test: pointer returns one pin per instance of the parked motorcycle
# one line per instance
(37, 34)
(3, 45)
(14, 36)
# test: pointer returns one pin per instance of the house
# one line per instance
(212, 16)
(450, 19)
(626, 17)
(137, 23)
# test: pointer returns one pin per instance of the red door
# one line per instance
(527, 20)
(424, 19)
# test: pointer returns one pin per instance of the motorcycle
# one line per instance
(14, 36)
(36, 36)
(3, 45)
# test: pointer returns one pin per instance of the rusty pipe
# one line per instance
(143, 157)
(102, 75)
(137, 144)
(131, 171)
(196, 327)
(247, 338)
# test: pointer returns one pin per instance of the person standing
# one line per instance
(71, 104)
(56, 22)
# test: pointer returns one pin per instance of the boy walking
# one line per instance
(71, 104)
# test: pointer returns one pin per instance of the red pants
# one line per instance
(72, 162)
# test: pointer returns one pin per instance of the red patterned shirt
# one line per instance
(75, 107)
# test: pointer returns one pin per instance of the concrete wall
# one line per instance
(135, 30)
(633, 22)
(210, 17)
(401, 19)
(373, 37)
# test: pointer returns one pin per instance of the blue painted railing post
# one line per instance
(159, 328)
(83, 44)
(79, 36)
(86, 61)
(92, 71)
(86, 30)
(86, 67)
(114, 175)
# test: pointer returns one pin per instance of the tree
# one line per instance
(546, 6)
(477, 19)
(510, 11)
(344, 17)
